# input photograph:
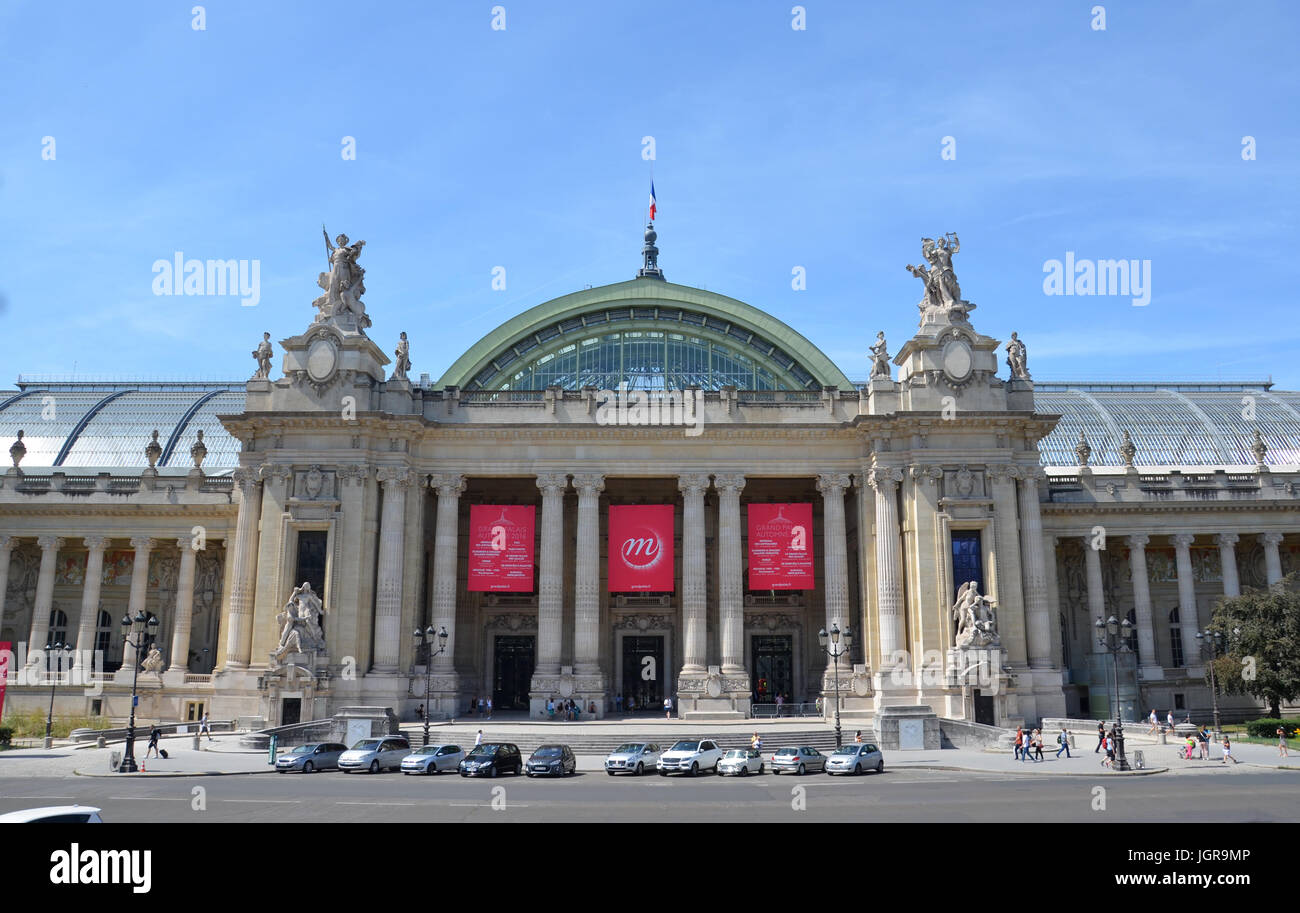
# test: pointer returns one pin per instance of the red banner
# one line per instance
(6, 660)
(640, 548)
(501, 548)
(780, 547)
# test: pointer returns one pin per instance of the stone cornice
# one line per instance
(1060, 508)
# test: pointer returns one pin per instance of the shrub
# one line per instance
(6, 735)
(1267, 728)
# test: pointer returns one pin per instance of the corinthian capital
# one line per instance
(884, 479)
(400, 477)
(729, 483)
(835, 483)
(693, 484)
(95, 543)
(552, 483)
(447, 484)
(246, 479)
(1182, 540)
(589, 484)
(1138, 542)
(929, 473)
(1273, 538)
(275, 472)
(1226, 540)
(50, 542)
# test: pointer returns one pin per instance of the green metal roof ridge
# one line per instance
(645, 292)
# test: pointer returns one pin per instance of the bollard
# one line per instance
(197, 747)
(100, 742)
(1164, 736)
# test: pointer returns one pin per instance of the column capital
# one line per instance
(50, 542)
(833, 483)
(246, 478)
(399, 477)
(274, 472)
(96, 543)
(1138, 542)
(552, 483)
(884, 479)
(1271, 538)
(354, 473)
(8, 543)
(929, 472)
(185, 544)
(1182, 540)
(1005, 471)
(1030, 475)
(143, 544)
(589, 484)
(693, 484)
(729, 483)
(447, 484)
(1226, 540)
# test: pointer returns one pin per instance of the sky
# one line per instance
(129, 135)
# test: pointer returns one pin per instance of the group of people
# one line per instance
(570, 709)
(484, 706)
(1030, 743)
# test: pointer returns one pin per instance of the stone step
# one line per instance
(604, 743)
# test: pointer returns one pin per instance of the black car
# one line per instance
(552, 761)
(492, 759)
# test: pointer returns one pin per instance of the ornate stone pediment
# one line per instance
(510, 621)
(643, 622)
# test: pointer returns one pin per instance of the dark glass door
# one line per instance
(773, 665)
(984, 712)
(513, 671)
(311, 563)
(967, 560)
(290, 711)
(643, 673)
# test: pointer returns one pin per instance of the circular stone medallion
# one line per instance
(566, 688)
(957, 361)
(322, 358)
(714, 688)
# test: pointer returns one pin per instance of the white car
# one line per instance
(690, 756)
(375, 755)
(741, 762)
(632, 757)
(433, 759)
(54, 814)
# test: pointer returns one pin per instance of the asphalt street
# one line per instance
(895, 796)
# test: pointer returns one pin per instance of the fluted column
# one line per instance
(835, 587)
(694, 597)
(889, 561)
(86, 624)
(442, 602)
(1096, 589)
(550, 586)
(143, 546)
(1137, 557)
(1187, 620)
(586, 584)
(1227, 543)
(243, 569)
(40, 633)
(1037, 618)
(731, 592)
(180, 658)
(7, 545)
(388, 574)
(1272, 557)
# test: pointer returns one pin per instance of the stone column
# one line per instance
(1037, 618)
(143, 546)
(694, 595)
(40, 632)
(87, 623)
(180, 658)
(1187, 618)
(1137, 557)
(889, 562)
(1272, 557)
(388, 574)
(550, 586)
(243, 570)
(7, 545)
(835, 587)
(1096, 589)
(1227, 543)
(586, 584)
(1008, 582)
(442, 601)
(731, 591)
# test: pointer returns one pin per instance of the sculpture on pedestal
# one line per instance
(880, 358)
(262, 355)
(942, 301)
(344, 284)
(18, 450)
(402, 362)
(299, 621)
(154, 661)
(1017, 359)
(976, 617)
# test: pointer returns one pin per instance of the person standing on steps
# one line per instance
(478, 738)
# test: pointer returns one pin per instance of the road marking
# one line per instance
(484, 805)
(150, 798)
(263, 801)
(38, 797)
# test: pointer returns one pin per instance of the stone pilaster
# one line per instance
(397, 482)
(86, 624)
(7, 545)
(137, 601)
(1037, 619)
(835, 546)
(1150, 663)
(550, 587)
(442, 602)
(889, 562)
(1007, 575)
(180, 658)
(586, 586)
(1187, 620)
(694, 596)
(731, 592)
(243, 571)
(44, 604)
(1227, 543)
(1272, 557)
(1096, 589)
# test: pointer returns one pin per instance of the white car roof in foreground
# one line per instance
(28, 815)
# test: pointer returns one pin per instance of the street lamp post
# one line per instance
(834, 650)
(1213, 641)
(425, 639)
(144, 627)
(58, 649)
(1112, 636)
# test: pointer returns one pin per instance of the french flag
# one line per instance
(653, 205)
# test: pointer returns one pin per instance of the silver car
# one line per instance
(310, 758)
(800, 760)
(633, 757)
(741, 762)
(375, 755)
(433, 759)
(856, 759)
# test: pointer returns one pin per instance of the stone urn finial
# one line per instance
(1127, 450)
(153, 450)
(198, 451)
(1259, 448)
(18, 450)
(1083, 450)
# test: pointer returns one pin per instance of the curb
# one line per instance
(984, 770)
(167, 776)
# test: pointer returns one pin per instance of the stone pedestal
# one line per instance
(908, 728)
(351, 724)
(855, 692)
(712, 696)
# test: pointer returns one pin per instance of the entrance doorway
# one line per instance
(514, 657)
(290, 711)
(773, 665)
(984, 712)
(643, 672)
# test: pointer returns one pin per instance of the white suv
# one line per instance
(690, 756)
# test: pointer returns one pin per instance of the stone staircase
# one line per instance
(585, 741)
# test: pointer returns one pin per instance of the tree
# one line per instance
(1262, 636)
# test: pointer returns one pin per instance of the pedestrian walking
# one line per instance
(1038, 745)
(154, 735)
(488, 705)
(1020, 741)
(1169, 720)
(1108, 745)
(618, 703)
(1227, 752)
(419, 712)
(1064, 741)
(668, 708)
(1281, 741)
(205, 725)
(1154, 720)
(1204, 738)
(478, 738)
(1101, 736)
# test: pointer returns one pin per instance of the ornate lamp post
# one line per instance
(145, 628)
(835, 650)
(425, 639)
(56, 648)
(1211, 641)
(1113, 636)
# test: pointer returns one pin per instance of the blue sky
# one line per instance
(775, 148)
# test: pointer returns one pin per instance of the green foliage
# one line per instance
(6, 735)
(1261, 628)
(1267, 727)
(31, 725)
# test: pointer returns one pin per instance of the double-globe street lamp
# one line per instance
(57, 649)
(145, 627)
(425, 639)
(1113, 636)
(835, 650)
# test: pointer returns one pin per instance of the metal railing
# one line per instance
(775, 711)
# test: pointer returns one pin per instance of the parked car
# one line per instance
(309, 758)
(433, 759)
(741, 762)
(800, 760)
(551, 761)
(54, 814)
(375, 755)
(691, 756)
(492, 759)
(633, 757)
(855, 759)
